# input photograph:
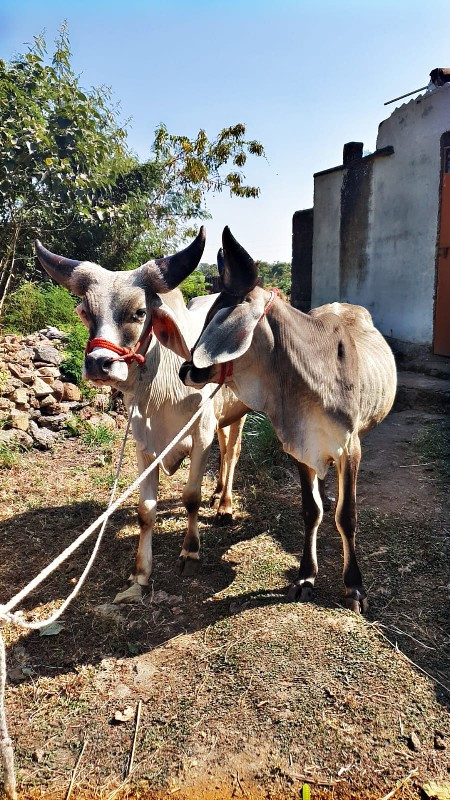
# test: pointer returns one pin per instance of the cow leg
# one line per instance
(189, 559)
(346, 517)
(302, 588)
(222, 438)
(232, 453)
(148, 494)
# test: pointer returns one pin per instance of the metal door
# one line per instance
(442, 308)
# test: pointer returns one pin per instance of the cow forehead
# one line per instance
(113, 294)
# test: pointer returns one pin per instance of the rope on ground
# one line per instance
(6, 748)
(5, 610)
(41, 623)
(5, 742)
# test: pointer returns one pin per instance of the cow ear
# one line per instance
(167, 329)
(229, 334)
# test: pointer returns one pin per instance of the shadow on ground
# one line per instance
(398, 594)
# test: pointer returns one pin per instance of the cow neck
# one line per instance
(226, 369)
(127, 354)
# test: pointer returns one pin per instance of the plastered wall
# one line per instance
(376, 223)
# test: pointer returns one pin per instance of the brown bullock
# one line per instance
(324, 379)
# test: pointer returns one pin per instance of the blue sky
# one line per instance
(305, 77)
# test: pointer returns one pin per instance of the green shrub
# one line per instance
(32, 306)
(74, 347)
(96, 437)
(193, 286)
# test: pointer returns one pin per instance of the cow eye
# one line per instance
(139, 315)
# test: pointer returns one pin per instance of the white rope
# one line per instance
(7, 607)
(6, 748)
(41, 623)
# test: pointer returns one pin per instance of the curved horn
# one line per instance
(240, 273)
(167, 273)
(59, 268)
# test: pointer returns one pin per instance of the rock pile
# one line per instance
(35, 400)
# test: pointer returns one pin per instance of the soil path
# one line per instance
(243, 695)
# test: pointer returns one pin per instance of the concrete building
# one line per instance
(379, 232)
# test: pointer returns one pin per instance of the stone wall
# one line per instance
(36, 401)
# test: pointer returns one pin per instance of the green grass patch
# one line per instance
(261, 445)
(99, 437)
(433, 444)
(9, 455)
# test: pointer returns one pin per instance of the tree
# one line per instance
(188, 168)
(153, 202)
(68, 176)
(194, 285)
(58, 145)
(277, 274)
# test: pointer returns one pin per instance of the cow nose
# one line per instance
(97, 367)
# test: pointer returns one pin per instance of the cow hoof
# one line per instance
(131, 595)
(188, 567)
(223, 519)
(300, 592)
(213, 500)
(357, 603)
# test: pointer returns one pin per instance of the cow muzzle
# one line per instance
(100, 367)
(192, 376)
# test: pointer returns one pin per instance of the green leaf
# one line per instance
(306, 792)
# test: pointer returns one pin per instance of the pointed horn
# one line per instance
(167, 273)
(59, 268)
(240, 273)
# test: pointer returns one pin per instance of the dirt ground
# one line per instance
(243, 695)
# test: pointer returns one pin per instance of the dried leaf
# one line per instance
(124, 715)
(53, 629)
(437, 790)
(131, 595)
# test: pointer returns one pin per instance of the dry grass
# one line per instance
(242, 694)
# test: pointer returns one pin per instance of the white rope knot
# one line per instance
(6, 616)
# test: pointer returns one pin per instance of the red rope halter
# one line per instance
(127, 354)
